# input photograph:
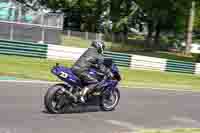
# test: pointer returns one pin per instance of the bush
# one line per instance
(196, 57)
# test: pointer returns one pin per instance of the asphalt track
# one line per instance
(22, 111)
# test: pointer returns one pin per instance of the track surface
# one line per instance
(22, 111)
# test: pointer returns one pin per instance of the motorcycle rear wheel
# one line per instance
(55, 99)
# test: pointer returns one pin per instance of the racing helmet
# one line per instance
(99, 45)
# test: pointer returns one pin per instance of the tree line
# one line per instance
(118, 16)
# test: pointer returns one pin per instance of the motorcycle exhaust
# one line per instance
(69, 94)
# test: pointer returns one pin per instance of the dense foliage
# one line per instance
(169, 17)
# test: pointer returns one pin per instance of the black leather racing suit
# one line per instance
(90, 58)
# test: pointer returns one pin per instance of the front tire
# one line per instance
(53, 97)
(105, 106)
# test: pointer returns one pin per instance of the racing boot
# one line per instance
(83, 93)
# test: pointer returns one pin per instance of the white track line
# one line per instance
(186, 120)
(124, 124)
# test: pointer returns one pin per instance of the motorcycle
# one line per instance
(61, 96)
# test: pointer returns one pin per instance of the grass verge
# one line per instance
(34, 68)
(79, 42)
(183, 130)
(28, 68)
(131, 48)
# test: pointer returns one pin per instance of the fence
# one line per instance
(180, 66)
(197, 68)
(61, 52)
(18, 22)
(84, 35)
(121, 59)
(148, 63)
(23, 49)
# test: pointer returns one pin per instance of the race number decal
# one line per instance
(63, 75)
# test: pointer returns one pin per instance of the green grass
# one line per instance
(33, 68)
(125, 48)
(79, 42)
(155, 79)
(75, 42)
(183, 130)
(82, 43)
(27, 67)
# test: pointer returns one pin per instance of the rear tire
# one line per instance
(104, 107)
(50, 97)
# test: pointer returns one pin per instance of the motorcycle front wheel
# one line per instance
(110, 101)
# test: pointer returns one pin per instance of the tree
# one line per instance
(190, 27)
(89, 11)
(197, 17)
(161, 17)
(120, 13)
(90, 14)
(165, 16)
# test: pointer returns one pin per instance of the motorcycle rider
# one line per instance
(92, 57)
